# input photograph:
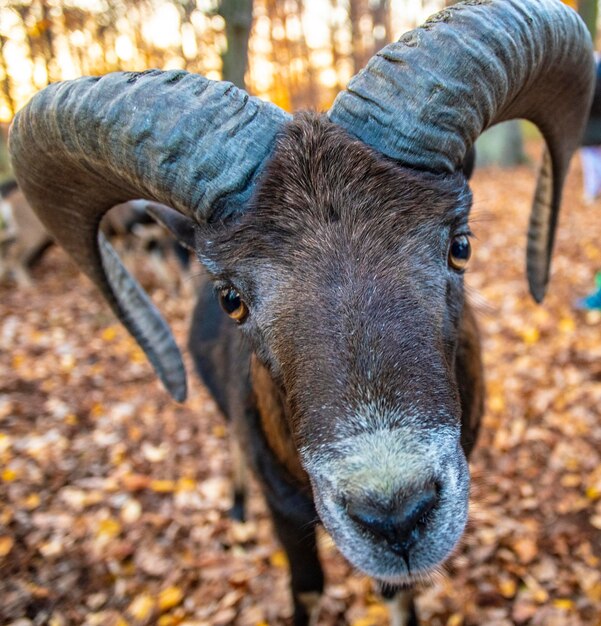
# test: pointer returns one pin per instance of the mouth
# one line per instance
(389, 552)
(394, 501)
(398, 539)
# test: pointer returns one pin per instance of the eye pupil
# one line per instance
(460, 252)
(232, 304)
(461, 249)
(231, 300)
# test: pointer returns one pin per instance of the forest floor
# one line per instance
(114, 499)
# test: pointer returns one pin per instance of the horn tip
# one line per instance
(178, 392)
(538, 290)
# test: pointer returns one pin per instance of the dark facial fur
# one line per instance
(355, 312)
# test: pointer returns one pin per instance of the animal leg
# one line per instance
(401, 605)
(306, 576)
(22, 276)
(239, 480)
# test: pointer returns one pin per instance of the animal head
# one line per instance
(336, 242)
(352, 294)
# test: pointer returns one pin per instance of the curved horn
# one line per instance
(80, 147)
(425, 99)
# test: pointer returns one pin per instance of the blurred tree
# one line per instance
(188, 36)
(355, 13)
(335, 43)
(280, 55)
(6, 86)
(56, 39)
(308, 87)
(370, 29)
(381, 24)
(589, 11)
(44, 27)
(5, 169)
(294, 81)
(238, 22)
(501, 145)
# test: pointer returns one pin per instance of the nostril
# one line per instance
(397, 524)
(415, 508)
(370, 517)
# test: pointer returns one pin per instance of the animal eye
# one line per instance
(232, 304)
(459, 252)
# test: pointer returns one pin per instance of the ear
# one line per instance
(180, 226)
(469, 163)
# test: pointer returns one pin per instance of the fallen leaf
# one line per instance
(142, 607)
(170, 597)
(6, 545)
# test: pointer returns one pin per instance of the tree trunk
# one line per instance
(501, 145)
(336, 56)
(5, 169)
(309, 87)
(45, 25)
(6, 86)
(381, 17)
(589, 11)
(357, 48)
(238, 22)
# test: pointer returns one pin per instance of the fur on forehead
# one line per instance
(318, 173)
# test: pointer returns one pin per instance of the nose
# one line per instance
(398, 524)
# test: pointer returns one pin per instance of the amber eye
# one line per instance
(459, 252)
(232, 304)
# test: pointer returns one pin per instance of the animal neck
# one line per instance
(274, 423)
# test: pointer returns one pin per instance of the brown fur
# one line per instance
(470, 378)
(274, 422)
(356, 377)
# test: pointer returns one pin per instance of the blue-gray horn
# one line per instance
(80, 147)
(425, 99)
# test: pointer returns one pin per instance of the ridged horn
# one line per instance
(425, 99)
(80, 147)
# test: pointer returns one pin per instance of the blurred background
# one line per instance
(296, 53)
(114, 500)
